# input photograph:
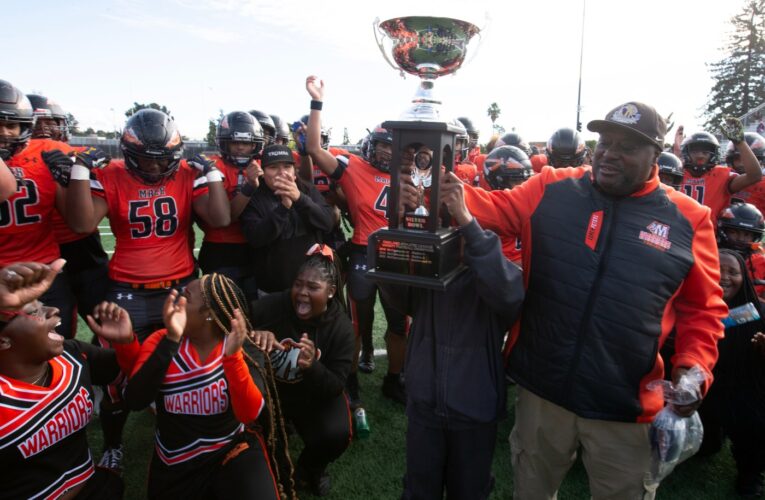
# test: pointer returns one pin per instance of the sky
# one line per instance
(97, 57)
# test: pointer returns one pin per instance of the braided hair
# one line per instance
(222, 296)
(329, 271)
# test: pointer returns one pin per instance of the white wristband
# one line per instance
(79, 173)
(214, 176)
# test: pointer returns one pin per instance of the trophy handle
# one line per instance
(480, 37)
(376, 30)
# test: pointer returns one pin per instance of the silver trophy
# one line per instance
(427, 47)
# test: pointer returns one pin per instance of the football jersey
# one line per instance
(195, 403)
(537, 162)
(321, 181)
(233, 179)
(366, 190)
(754, 194)
(711, 189)
(479, 161)
(473, 153)
(26, 218)
(43, 443)
(756, 266)
(511, 249)
(151, 223)
(466, 172)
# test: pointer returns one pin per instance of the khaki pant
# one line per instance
(544, 443)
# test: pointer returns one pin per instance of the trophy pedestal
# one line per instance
(415, 258)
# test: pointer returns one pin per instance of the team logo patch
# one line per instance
(657, 236)
(626, 114)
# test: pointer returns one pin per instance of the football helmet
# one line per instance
(15, 108)
(506, 167)
(513, 139)
(153, 135)
(472, 132)
(565, 148)
(700, 141)
(744, 217)
(267, 124)
(239, 126)
(44, 108)
(756, 143)
(670, 169)
(380, 161)
(282, 130)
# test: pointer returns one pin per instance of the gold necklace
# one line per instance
(43, 376)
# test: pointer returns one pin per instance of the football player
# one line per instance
(740, 227)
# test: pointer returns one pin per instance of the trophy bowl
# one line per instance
(427, 47)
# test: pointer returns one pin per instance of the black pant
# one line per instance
(326, 432)
(59, 296)
(458, 460)
(247, 475)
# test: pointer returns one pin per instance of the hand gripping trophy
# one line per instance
(422, 250)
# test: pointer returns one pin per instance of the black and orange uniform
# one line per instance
(151, 226)
(87, 265)
(473, 153)
(655, 240)
(755, 264)
(366, 190)
(467, 172)
(312, 399)
(754, 195)
(43, 442)
(201, 446)
(26, 222)
(711, 189)
(537, 162)
(224, 250)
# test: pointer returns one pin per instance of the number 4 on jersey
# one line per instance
(381, 204)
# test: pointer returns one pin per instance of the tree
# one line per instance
(212, 129)
(740, 75)
(493, 112)
(73, 124)
(138, 107)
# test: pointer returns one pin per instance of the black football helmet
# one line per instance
(472, 132)
(369, 153)
(324, 132)
(47, 108)
(565, 148)
(505, 166)
(756, 143)
(282, 130)
(744, 217)
(700, 141)
(670, 169)
(15, 108)
(151, 134)
(267, 124)
(239, 126)
(513, 139)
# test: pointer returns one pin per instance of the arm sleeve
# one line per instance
(699, 307)
(102, 362)
(150, 369)
(492, 272)
(327, 375)
(246, 399)
(312, 208)
(263, 229)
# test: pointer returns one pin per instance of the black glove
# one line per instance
(202, 163)
(93, 158)
(59, 164)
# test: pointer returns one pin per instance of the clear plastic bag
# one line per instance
(675, 438)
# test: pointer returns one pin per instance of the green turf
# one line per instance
(372, 469)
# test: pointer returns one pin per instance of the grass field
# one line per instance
(372, 469)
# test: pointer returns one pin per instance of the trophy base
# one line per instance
(417, 259)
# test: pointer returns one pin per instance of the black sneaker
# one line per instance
(393, 388)
(319, 485)
(367, 362)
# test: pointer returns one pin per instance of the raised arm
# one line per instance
(321, 157)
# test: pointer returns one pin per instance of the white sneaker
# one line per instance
(112, 459)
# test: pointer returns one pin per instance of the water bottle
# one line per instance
(360, 424)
